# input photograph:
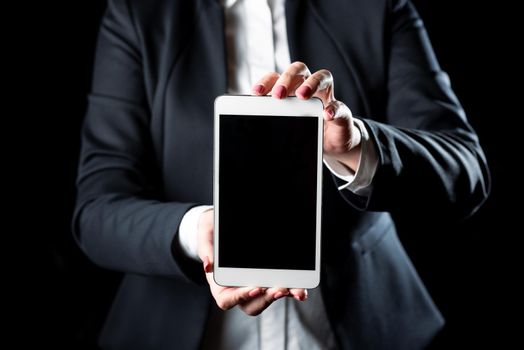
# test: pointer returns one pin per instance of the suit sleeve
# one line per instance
(121, 220)
(430, 159)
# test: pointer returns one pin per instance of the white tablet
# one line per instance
(267, 191)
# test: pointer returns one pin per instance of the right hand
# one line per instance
(341, 137)
(252, 300)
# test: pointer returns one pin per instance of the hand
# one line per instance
(252, 300)
(341, 137)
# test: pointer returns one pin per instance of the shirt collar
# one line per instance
(228, 3)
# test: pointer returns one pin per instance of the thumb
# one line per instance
(338, 113)
(205, 239)
(206, 251)
(208, 265)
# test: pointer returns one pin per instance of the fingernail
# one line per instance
(280, 92)
(207, 265)
(279, 295)
(257, 89)
(300, 298)
(330, 112)
(255, 292)
(304, 91)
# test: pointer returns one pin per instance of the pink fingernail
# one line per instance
(304, 91)
(330, 112)
(207, 265)
(255, 293)
(280, 92)
(257, 89)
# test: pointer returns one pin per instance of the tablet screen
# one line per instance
(267, 191)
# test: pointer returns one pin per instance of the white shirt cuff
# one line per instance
(358, 182)
(188, 230)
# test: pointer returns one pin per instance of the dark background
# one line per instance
(469, 269)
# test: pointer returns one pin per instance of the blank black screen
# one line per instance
(267, 192)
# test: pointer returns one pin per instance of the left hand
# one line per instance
(341, 137)
(251, 300)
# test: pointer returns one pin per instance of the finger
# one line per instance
(342, 119)
(336, 128)
(205, 251)
(255, 306)
(205, 246)
(340, 134)
(227, 297)
(205, 236)
(277, 292)
(298, 293)
(208, 265)
(339, 112)
(290, 79)
(264, 85)
(319, 84)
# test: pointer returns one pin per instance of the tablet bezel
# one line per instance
(256, 106)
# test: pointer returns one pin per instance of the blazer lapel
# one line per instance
(213, 38)
(311, 40)
(198, 76)
(294, 20)
(200, 69)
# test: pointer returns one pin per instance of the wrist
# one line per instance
(350, 159)
(188, 230)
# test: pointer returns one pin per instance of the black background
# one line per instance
(61, 298)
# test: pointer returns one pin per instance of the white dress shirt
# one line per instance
(256, 39)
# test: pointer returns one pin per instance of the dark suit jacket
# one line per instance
(147, 158)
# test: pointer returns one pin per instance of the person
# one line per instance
(396, 139)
